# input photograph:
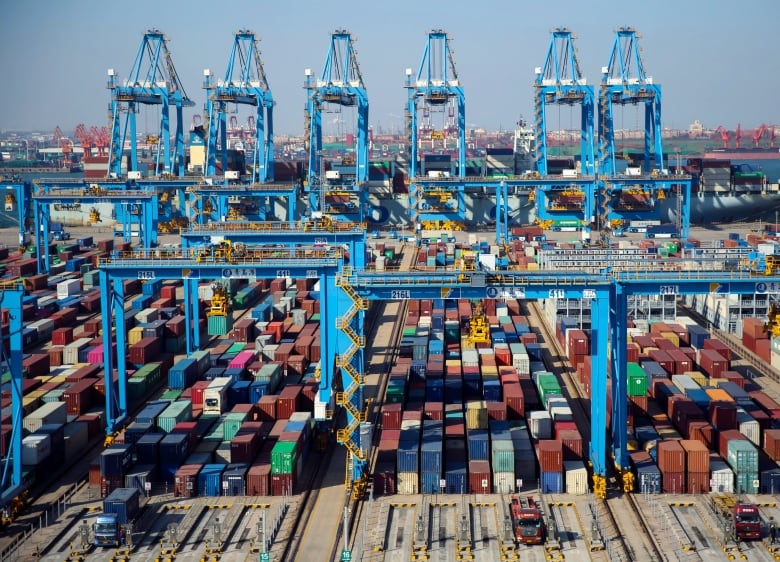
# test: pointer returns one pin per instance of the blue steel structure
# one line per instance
(560, 82)
(435, 88)
(152, 81)
(12, 490)
(340, 192)
(244, 83)
(625, 82)
(214, 202)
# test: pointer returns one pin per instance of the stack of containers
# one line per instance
(697, 466)
(408, 457)
(502, 454)
(671, 463)
(431, 456)
(742, 456)
(647, 473)
(550, 455)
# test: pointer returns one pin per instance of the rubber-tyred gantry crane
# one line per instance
(244, 83)
(152, 81)
(341, 192)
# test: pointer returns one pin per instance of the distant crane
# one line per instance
(760, 132)
(244, 83)
(152, 81)
(724, 135)
(65, 144)
(738, 135)
(84, 138)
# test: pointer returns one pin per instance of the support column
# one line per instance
(328, 294)
(12, 300)
(598, 391)
(619, 306)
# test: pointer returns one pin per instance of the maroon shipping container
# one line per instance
(5, 439)
(168, 292)
(697, 456)
(95, 424)
(497, 411)
(662, 358)
(632, 352)
(723, 414)
(671, 456)
(697, 483)
(663, 344)
(243, 447)
(55, 356)
(673, 482)
(287, 402)
(766, 403)
(577, 342)
(550, 454)
(267, 406)
(384, 478)
(79, 396)
(62, 336)
(754, 328)
(88, 371)
(22, 268)
(185, 481)
(644, 342)
(36, 364)
(258, 479)
(432, 411)
(94, 476)
(176, 326)
(682, 363)
(771, 442)
(243, 330)
(110, 483)
(735, 377)
(712, 362)
(197, 392)
(480, 480)
(189, 428)
(145, 351)
(721, 348)
(572, 444)
(723, 440)
(283, 484)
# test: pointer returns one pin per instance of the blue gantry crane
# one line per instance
(560, 82)
(436, 89)
(244, 83)
(339, 191)
(152, 81)
(631, 194)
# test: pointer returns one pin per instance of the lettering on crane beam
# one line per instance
(400, 294)
(763, 288)
(505, 292)
(589, 293)
(312, 274)
(669, 289)
(238, 273)
(146, 275)
(282, 273)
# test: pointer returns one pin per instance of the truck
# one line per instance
(527, 520)
(107, 531)
(743, 519)
(662, 231)
(120, 508)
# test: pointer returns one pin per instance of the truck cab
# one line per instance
(107, 531)
(747, 521)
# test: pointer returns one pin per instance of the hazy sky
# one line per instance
(716, 60)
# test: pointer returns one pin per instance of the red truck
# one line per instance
(743, 517)
(528, 520)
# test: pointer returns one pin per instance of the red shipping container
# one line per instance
(384, 478)
(497, 411)
(682, 363)
(287, 402)
(197, 392)
(718, 346)
(176, 326)
(571, 441)
(95, 478)
(454, 428)
(577, 342)
(698, 483)
(514, 400)
(110, 483)
(673, 482)
(168, 292)
(659, 327)
(697, 456)
(283, 484)
(723, 440)
(766, 403)
(632, 352)
(79, 397)
(763, 350)
(754, 328)
(772, 443)
(189, 428)
(62, 336)
(671, 456)
(267, 405)
(639, 404)
(431, 411)
(145, 351)
(735, 377)
(662, 358)
(243, 447)
(550, 454)
(95, 424)
(480, 479)
(88, 371)
(644, 342)
(712, 362)
(703, 432)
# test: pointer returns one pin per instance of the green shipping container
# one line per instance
(236, 348)
(178, 411)
(637, 380)
(219, 325)
(283, 457)
(171, 395)
(503, 456)
(232, 424)
(175, 345)
(409, 332)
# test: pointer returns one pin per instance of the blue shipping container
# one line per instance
(152, 411)
(210, 479)
(124, 503)
(147, 448)
(479, 445)
(551, 482)
(408, 456)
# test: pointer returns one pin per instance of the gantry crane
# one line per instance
(724, 135)
(760, 132)
(339, 191)
(244, 83)
(152, 81)
(559, 81)
(435, 88)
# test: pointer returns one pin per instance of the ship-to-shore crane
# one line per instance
(340, 192)
(725, 135)
(152, 81)
(244, 83)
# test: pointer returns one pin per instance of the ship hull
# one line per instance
(709, 207)
(768, 154)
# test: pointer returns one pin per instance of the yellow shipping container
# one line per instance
(668, 434)
(134, 335)
(476, 414)
(489, 371)
(718, 394)
(698, 377)
(452, 363)
(672, 337)
(466, 343)
(533, 266)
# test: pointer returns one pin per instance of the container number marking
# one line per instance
(146, 275)
(238, 273)
(589, 293)
(312, 274)
(400, 294)
(557, 294)
(282, 273)
(669, 289)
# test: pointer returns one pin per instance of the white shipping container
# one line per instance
(408, 483)
(50, 412)
(70, 354)
(205, 292)
(576, 477)
(222, 454)
(684, 383)
(44, 327)
(68, 288)
(410, 424)
(147, 315)
(748, 426)
(35, 449)
(469, 358)
(503, 482)
(721, 476)
(540, 424)
(269, 351)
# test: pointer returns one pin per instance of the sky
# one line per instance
(715, 60)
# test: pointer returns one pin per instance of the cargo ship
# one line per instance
(770, 153)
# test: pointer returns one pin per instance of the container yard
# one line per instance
(304, 388)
